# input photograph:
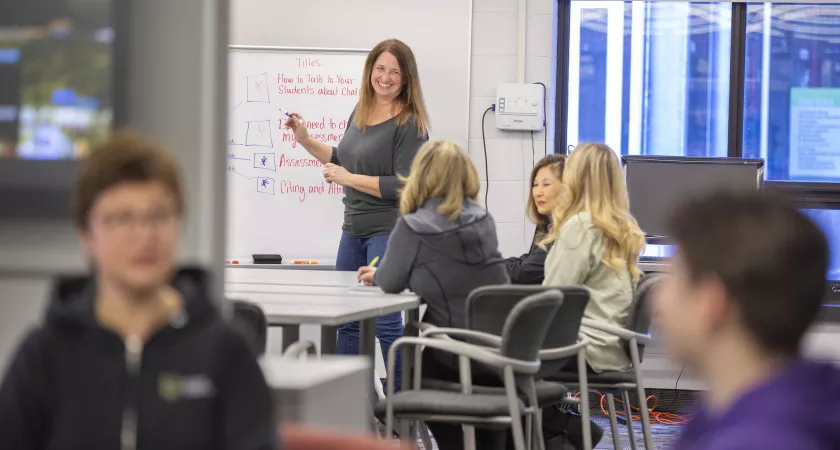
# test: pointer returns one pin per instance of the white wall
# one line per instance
(436, 30)
(509, 154)
(177, 82)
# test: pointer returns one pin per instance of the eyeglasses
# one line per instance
(126, 221)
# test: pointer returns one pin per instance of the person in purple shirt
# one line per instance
(746, 284)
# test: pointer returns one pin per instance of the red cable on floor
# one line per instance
(661, 417)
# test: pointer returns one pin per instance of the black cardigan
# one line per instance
(530, 267)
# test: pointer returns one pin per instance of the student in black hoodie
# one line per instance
(135, 357)
(545, 187)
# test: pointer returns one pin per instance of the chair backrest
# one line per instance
(488, 307)
(527, 325)
(639, 318)
(250, 320)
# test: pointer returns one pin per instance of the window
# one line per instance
(650, 78)
(792, 90)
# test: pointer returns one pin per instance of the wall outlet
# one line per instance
(520, 107)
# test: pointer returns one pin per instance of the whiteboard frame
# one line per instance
(271, 48)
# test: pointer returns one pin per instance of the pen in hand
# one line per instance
(372, 265)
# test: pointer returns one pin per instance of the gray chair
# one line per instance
(635, 337)
(515, 359)
(251, 321)
(487, 310)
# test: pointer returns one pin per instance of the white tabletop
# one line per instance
(288, 277)
(353, 289)
(314, 297)
(304, 267)
(324, 306)
(299, 374)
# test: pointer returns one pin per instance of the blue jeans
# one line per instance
(353, 253)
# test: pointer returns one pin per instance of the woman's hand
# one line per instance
(365, 275)
(296, 124)
(337, 174)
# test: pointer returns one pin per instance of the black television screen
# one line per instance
(57, 75)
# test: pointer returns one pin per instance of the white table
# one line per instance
(264, 275)
(305, 391)
(291, 306)
(324, 298)
(249, 264)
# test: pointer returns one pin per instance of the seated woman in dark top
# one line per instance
(545, 186)
(443, 247)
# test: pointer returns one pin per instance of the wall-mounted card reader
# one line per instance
(520, 106)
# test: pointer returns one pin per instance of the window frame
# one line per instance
(822, 195)
(796, 190)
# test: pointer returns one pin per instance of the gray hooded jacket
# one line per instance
(442, 261)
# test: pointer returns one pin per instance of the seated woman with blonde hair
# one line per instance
(445, 243)
(443, 246)
(596, 244)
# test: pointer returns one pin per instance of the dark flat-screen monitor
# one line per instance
(657, 184)
(827, 216)
(62, 76)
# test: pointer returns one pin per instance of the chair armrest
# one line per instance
(473, 352)
(487, 339)
(617, 331)
(422, 326)
(299, 348)
(563, 352)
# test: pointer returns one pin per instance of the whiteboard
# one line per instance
(278, 201)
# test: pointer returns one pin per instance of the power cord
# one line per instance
(545, 116)
(533, 150)
(676, 390)
(486, 162)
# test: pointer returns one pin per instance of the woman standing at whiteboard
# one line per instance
(385, 130)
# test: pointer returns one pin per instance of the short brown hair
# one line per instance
(556, 163)
(125, 157)
(771, 259)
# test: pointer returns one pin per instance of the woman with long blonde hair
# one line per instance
(387, 127)
(442, 248)
(596, 244)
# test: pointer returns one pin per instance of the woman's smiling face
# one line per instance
(386, 77)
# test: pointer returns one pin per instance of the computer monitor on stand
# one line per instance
(658, 184)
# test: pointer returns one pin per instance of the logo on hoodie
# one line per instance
(176, 387)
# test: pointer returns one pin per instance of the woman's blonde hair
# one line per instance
(440, 169)
(593, 182)
(556, 163)
(410, 96)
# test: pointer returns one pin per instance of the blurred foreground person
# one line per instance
(135, 356)
(746, 284)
